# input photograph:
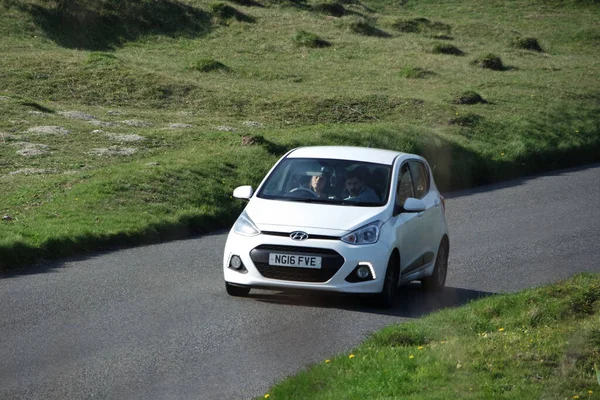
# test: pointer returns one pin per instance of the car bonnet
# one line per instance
(319, 218)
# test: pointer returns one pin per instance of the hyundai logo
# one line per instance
(299, 235)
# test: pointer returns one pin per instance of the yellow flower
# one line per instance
(327, 361)
(267, 395)
(501, 330)
(351, 356)
(443, 342)
(420, 348)
(502, 154)
(575, 397)
(411, 356)
(590, 392)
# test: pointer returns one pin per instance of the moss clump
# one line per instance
(468, 97)
(335, 9)
(490, 61)
(415, 73)
(444, 48)
(209, 65)
(307, 39)
(527, 44)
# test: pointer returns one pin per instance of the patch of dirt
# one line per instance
(38, 113)
(31, 171)
(31, 152)
(125, 137)
(225, 128)
(253, 124)
(48, 130)
(101, 123)
(136, 123)
(77, 115)
(178, 125)
(113, 151)
(30, 149)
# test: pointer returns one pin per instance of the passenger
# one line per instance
(357, 189)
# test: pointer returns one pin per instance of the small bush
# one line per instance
(527, 44)
(208, 65)
(247, 3)
(222, 10)
(420, 25)
(444, 48)
(490, 61)
(225, 12)
(469, 97)
(441, 37)
(307, 39)
(364, 27)
(466, 120)
(415, 73)
(335, 9)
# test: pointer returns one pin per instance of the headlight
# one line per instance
(368, 234)
(244, 226)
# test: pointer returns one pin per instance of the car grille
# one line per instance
(331, 262)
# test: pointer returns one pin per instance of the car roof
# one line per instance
(365, 154)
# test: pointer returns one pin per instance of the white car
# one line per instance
(340, 219)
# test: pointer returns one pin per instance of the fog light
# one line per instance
(363, 272)
(235, 262)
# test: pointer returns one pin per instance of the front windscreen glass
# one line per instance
(343, 182)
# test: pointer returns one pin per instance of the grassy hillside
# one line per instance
(149, 102)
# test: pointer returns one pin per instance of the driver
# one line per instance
(319, 183)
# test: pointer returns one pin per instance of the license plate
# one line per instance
(294, 260)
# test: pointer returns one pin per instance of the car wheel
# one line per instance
(437, 280)
(237, 291)
(386, 298)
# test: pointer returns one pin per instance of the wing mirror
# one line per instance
(414, 205)
(243, 192)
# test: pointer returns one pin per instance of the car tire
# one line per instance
(437, 280)
(387, 296)
(237, 291)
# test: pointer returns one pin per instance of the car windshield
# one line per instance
(342, 182)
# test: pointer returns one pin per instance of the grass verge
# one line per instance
(539, 343)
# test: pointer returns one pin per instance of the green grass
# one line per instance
(146, 61)
(536, 344)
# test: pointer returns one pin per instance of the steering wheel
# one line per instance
(303, 190)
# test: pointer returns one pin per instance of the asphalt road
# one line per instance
(155, 323)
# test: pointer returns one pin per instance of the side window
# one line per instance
(421, 178)
(405, 186)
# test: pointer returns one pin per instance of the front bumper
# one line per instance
(339, 261)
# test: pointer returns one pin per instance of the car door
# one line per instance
(406, 223)
(427, 220)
